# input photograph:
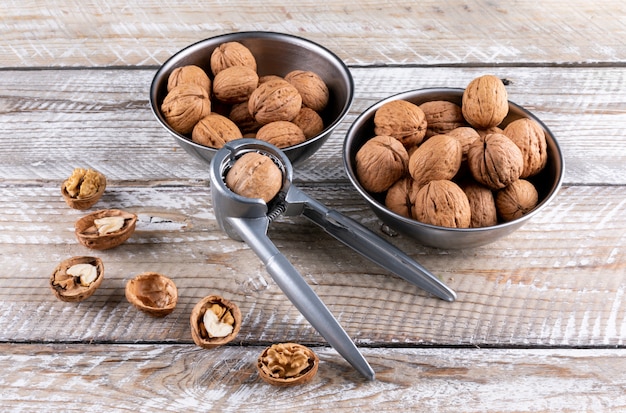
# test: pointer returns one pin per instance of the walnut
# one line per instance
(403, 120)
(214, 321)
(287, 364)
(254, 175)
(437, 158)
(105, 229)
(235, 84)
(482, 205)
(485, 102)
(281, 134)
(530, 137)
(231, 54)
(189, 74)
(240, 115)
(311, 87)
(184, 106)
(400, 198)
(466, 136)
(517, 199)
(77, 278)
(83, 188)
(442, 203)
(309, 121)
(215, 130)
(380, 162)
(495, 161)
(274, 100)
(152, 293)
(442, 116)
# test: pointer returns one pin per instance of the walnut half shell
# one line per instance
(104, 229)
(152, 293)
(83, 188)
(287, 364)
(69, 285)
(214, 321)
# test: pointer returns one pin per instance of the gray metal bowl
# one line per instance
(547, 182)
(276, 54)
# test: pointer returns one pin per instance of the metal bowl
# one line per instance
(547, 182)
(275, 54)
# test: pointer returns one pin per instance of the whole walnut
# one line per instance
(255, 175)
(442, 203)
(312, 88)
(442, 116)
(517, 199)
(235, 84)
(184, 106)
(189, 74)
(243, 119)
(495, 161)
(231, 54)
(466, 136)
(281, 134)
(400, 197)
(437, 158)
(485, 102)
(215, 130)
(482, 205)
(380, 162)
(274, 100)
(403, 120)
(530, 137)
(309, 121)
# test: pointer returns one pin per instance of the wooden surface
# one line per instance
(540, 319)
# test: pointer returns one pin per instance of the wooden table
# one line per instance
(540, 319)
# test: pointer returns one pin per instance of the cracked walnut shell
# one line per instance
(214, 321)
(104, 229)
(83, 188)
(403, 120)
(77, 278)
(380, 162)
(152, 293)
(287, 364)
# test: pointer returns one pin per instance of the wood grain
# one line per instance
(167, 378)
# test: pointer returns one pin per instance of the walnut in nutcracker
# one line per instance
(495, 161)
(255, 175)
(403, 120)
(530, 137)
(485, 102)
(380, 162)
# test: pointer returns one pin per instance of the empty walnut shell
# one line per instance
(67, 287)
(79, 198)
(199, 333)
(287, 364)
(152, 293)
(87, 232)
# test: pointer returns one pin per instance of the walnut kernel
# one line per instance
(286, 364)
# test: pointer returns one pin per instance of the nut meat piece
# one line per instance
(403, 120)
(254, 175)
(77, 278)
(442, 203)
(495, 161)
(439, 157)
(380, 162)
(530, 137)
(215, 130)
(485, 102)
(189, 74)
(231, 54)
(217, 328)
(274, 100)
(516, 200)
(311, 87)
(287, 364)
(184, 106)
(152, 293)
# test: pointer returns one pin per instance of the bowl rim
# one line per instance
(368, 113)
(172, 62)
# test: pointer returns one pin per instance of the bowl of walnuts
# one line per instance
(280, 88)
(453, 168)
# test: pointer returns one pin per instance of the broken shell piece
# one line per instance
(83, 188)
(77, 278)
(287, 364)
(152, 293)
(214, 321)
(101, 230)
